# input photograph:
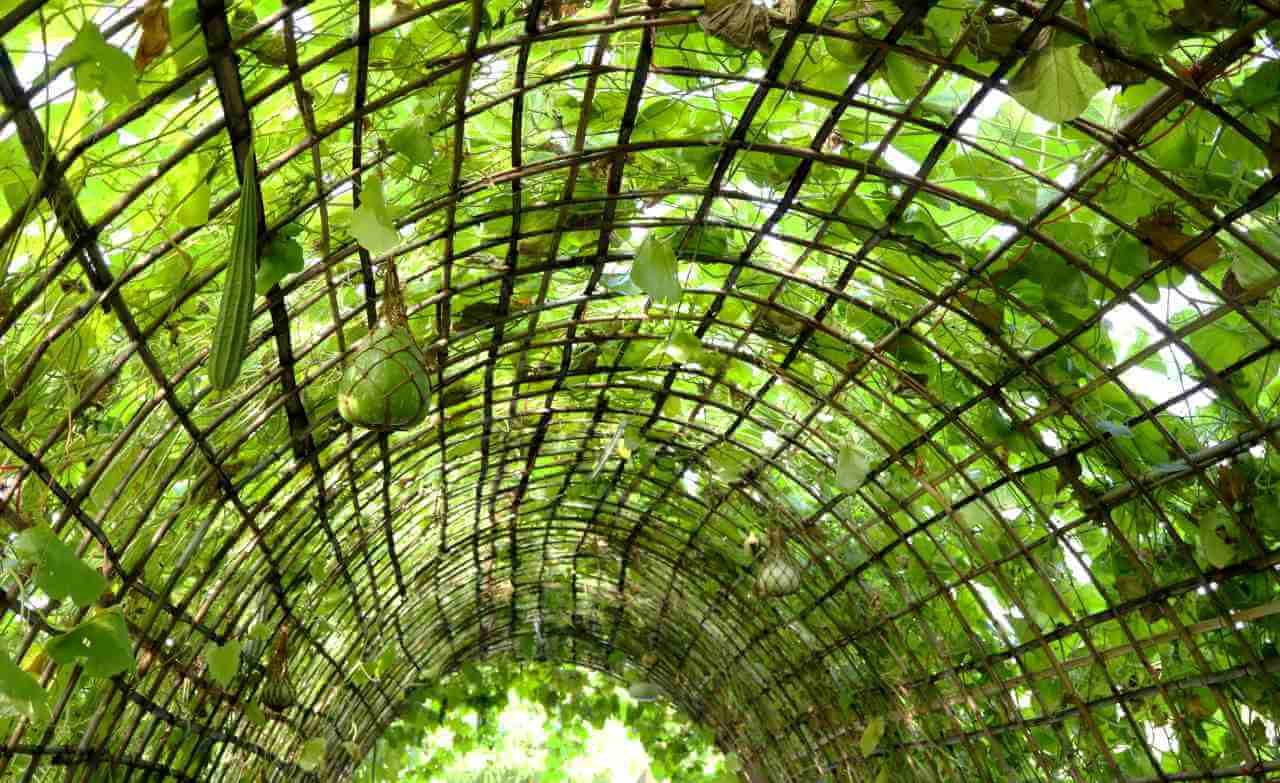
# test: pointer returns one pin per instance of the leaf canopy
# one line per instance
(956, 320)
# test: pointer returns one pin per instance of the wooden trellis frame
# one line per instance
(420, 580)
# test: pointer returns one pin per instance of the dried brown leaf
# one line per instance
(154, 21)
(1163, 230)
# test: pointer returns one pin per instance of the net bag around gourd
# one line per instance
(278, 692)
(385, 386)
(780, 574)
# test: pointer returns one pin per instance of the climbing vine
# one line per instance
(468, 704)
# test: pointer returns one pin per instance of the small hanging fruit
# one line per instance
(779, 572)
(386, 386)
(277, 690)
(644, 691)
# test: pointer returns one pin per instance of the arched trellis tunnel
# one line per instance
(973, 317)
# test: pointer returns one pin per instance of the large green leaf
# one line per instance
(371, 223)
(1055, 84)
(223, 661)
(22, 690)
(58, 571)
(280, 258)
(871, 736)
(655, 270)
(99, 66)
(100, 644)
(851, 468)
(312, 755)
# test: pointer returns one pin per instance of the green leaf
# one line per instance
(1055, 84)
(871, 736)
(312, 755)
(223, 661)
(683, 346)
(851, 468)
(655, 269)
(100, 644)
(99, 66)
(1114, 428)
(1260, 90)
(371, 223)
(1251, 269)
(22, 690)
(1128, 23)
(905, 75)
(194, 211)
(58, 571)
(186, 36)
(1218, 538)
(189, 190)
(254, 714)
(16, 177)
(413, 140)
(281, 258)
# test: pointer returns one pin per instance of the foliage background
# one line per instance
(965, 313)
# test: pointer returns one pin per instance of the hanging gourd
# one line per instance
(277, 691)
(643, 691)
(779, 572)
(386, 386)
(235, 309)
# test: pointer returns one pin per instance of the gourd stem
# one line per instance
(280, 654)
(393, 311)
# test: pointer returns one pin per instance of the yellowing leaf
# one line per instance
(371, 223)
(1163, 229)
(1055, 84)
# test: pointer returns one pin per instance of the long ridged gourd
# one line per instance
(231, 334)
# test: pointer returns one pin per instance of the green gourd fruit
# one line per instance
(386, 387)
(644, 691)
(277, 690)
(231, 333)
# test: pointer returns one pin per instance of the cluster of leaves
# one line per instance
(572, 702)
(99, 643)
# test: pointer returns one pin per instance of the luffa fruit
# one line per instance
(386, 386)
(231, 333)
